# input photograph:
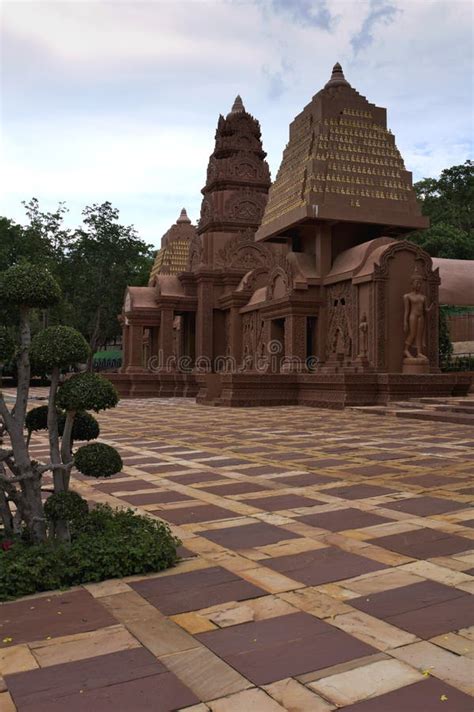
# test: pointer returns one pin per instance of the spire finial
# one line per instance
(337, 77)
(238, 105)
(183, 217)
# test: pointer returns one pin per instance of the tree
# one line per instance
(54, 349)
(449, 203)
(105, 258)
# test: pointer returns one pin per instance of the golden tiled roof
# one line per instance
(172, 257)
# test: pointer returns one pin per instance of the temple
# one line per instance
(298, 292)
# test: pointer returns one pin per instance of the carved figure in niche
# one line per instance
(363, 336)
(415, 317)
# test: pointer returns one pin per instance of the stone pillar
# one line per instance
(135, 346)
(295, 344)
(204, 322)
(125, 347)
(166, 340)
(154, 349)
(235, 334)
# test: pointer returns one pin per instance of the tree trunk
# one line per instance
(95, 338)
(5, 514)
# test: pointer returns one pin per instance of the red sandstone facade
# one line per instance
(294, 293)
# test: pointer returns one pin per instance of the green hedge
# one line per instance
(107, 544)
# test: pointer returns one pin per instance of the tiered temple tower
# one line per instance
(173, 255)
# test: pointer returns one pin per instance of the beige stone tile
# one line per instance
(382, 529)
(181, 567)
(294, 696)
(3, 685)
(107, 588)
(467, 586)
(156, 632)
(381, 581)
(291, 546)
(253, 610)
(373, 631)
(195, 708)
(455, 643)
(83, 645)
(450, 563)
(366, 682)
(6, 703)
(18, 658)
(336, 591)
(247, 701)
(453, 669)
(205, 673)
(441, 574)
(193, 622)
(316, 602)
(342, 667)
(466, 558)
(386, 557)
(269, 580)
(467, 632)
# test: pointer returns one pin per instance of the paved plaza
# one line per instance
(327, 563)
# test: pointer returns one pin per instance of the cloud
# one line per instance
(312, 13)
(380, 11)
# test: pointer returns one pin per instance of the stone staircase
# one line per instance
(459, 411)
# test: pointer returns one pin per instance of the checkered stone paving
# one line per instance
(327, 563)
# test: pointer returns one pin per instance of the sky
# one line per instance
(119, 100)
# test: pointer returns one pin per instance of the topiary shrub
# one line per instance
(87, 391)
(67, 507)
(37, 419)
(57, 347)
(85, 426)
(29, 285)
(7, 345)
(98, 460)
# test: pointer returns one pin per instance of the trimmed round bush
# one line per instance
(7, 345)
(37, 419)
(68, 507)
(27, 285)
(87, 391)
(84, 427)
(57, 346)
(98, 460)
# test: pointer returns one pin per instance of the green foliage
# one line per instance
(7, 345)
(57, 346)
(67, 507)
(98, 460)
(87, 391)
(445, 345)
(449, 203)
(27, 285)
(37, 419)
(84, 427)
(106, 543)
(460, 363)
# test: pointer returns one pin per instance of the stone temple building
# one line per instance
(298, 292)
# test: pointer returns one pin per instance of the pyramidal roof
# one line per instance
(341, 163)
(172, 257)
(238, 106)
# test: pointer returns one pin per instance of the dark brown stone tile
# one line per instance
(53, 615)
(466, 490)
(373, 470)
(434, 463)
(276, 648)
(234, 488)
(162, 469)
(385, 456)
(191, 591)
(342, 519)
(308, 479)
(127, 680)
(424, 543)
(425, 506)
(284, 501)
(427, 695)
(130, 486)
(195, 477)
(264, 470)
(154, 497)
(277, 456)
(359, 491)
(191, 515)
(225, 462)
(323, 566)
(467, 523)
(248, 535)
(431, 480)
